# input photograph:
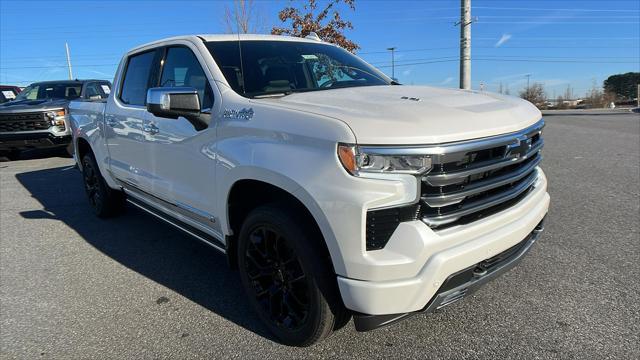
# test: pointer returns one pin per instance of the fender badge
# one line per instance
(243, 114)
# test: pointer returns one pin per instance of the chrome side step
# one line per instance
(195, 233)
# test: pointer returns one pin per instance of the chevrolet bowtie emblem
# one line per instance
(518, 148)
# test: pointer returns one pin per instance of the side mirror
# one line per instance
(175, 102)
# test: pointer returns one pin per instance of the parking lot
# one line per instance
(74, 286)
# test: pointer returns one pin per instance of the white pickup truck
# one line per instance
(334, 191)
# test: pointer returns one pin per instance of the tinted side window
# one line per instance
(91, 90)
(101, 89)
(134, 86)
(181, 68)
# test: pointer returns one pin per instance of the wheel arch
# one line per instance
(246, 193)
(82, 147)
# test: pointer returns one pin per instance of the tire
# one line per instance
(12, 155)
(66, 151)
(288, 276)
(104, 201)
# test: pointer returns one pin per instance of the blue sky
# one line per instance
(559, 43)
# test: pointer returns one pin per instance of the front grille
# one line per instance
(473, 180)
(468, 181)
(23, 122)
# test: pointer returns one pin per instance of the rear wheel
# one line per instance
(290, 284)
(104, 201)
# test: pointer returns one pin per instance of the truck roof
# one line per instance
(76, 81)
(227, 37)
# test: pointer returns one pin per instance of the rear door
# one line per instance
(124, 119)
(181, 157)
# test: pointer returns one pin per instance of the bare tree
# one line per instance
(326, 22)
(597, 98)
(568, 93)
(534, 94)
(243, 18)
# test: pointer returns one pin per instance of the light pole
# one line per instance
(465, 44)
(528, 77)
(68, 61)
(393, 63)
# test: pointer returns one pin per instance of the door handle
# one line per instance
(151, 129)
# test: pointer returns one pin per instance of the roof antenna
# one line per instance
(313, 36)
(241, 82)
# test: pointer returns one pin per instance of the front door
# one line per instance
(181, 157)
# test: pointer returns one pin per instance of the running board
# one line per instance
(196, 233)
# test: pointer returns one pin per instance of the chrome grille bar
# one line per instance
(450, 178)
(481, 186)
(475, 206)
(477, 178)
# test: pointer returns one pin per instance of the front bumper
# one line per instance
(30, 140)
(460, 284)
(433, 257)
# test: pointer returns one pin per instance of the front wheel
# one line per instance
(104, 201)
(289, 281)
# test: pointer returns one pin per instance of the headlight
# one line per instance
(355, 160)
(56, 117)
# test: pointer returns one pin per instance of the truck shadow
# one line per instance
(145, 245)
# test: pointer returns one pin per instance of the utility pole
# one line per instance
(68, 61)
(465, 44)
(528, 77)
(393, 62)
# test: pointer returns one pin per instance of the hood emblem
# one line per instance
(410, 98)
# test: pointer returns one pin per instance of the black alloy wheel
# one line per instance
(287, 275)
(104, 201)
(278, 280)
(91, 184)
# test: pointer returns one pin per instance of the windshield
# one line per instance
(44, 91)
(276, 67)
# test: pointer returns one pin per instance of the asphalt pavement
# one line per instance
(74, 286)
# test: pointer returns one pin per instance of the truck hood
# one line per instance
(18, 106)
(416, 114)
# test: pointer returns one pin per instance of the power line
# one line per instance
(559, 22)
(521, 56)
(508, 47)
(517, 60)
(552, 9)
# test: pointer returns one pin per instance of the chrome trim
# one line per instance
(213, 245)
(467, 209)
(454, 147)
(160, 95)
(451, 198)
(199, 219)
(197, 212)
(448, 297)
(455, 177)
